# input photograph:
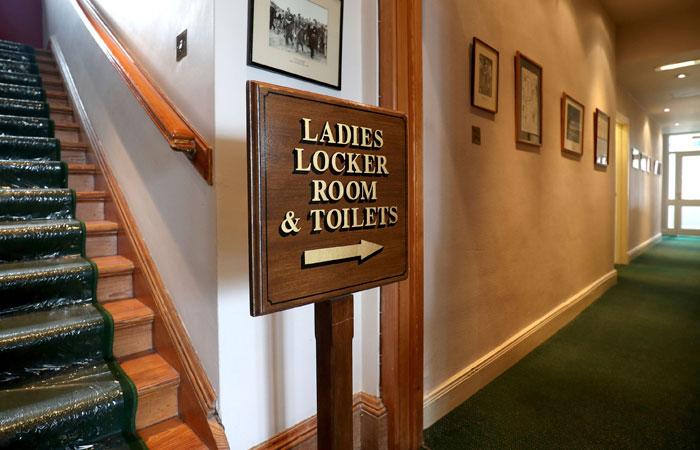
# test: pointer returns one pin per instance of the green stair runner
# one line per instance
(624, 374)
(60, 386)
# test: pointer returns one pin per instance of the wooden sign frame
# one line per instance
(277, 269)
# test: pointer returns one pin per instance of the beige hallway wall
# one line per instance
(644, 202)
(511, 231)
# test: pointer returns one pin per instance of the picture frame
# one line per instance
(644, 162)
(485, 76)
(298, 38)
(636, 158)
(648, 163)
(657, 167)
(601, 135)
(528, 101)
(573, 115)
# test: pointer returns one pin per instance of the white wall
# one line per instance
(268, 363)
(148, 30)
(173, 206)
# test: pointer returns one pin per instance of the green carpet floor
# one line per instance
(624, 374)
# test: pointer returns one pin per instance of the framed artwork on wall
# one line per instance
(485, 64)
(601, 132)
(644, 162)
(528, 101)
(636, 158)
(647, 165)
(657, 167)
(572, 116)
(299, 38)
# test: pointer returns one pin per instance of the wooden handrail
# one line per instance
(181, 136)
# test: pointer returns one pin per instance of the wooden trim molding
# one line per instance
(181, 136)
(401, 346)
(196, 396)
(369, 428)
(469, 380)
(634, 252)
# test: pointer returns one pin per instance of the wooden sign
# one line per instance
(328, 197)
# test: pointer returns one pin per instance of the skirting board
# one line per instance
(631, 254)
(468, 381)
(368, 423)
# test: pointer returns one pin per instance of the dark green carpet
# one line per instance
(60, 386)
(625, 374)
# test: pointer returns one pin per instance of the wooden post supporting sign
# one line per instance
(334, 332)
(328, 211)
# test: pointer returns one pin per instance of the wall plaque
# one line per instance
(328, 197)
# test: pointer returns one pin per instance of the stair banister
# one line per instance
(181, 136)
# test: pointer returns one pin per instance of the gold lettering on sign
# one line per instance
(338, 163)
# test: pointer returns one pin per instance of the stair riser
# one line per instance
(61, 116)
(90, 210)
(68, 135)
(73, 157)
(81, 181)
(115, 287)
(132, 339)
(101, 245)
(154, 407)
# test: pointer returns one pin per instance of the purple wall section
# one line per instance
(20, 21)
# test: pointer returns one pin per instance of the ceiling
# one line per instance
(651, 33)
(627, 11)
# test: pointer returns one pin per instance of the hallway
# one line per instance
(624, 374)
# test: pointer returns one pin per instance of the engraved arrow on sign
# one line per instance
(363, 250)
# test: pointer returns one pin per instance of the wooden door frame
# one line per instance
(401, 335)
(622, 190)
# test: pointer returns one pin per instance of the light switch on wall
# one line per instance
(181, 45)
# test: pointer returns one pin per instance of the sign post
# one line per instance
(328, 211)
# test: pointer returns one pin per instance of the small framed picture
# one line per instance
(484, 76)
(647, 166)
(657, 167)
(644, 162)
(572, 116)
(300, 38)
(528, 101)
(636, 159)
(601, 131)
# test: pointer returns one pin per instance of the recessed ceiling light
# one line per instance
(667, 109)
(676, 124)
(691, 62)
(681, 75)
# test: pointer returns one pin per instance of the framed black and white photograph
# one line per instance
(484, 76)
(300, 38)
(572, 116)
(528, 101)
(601, 132)
(636, 159)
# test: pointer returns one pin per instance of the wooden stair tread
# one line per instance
(101, 226)
(74, 146)
(171, 434)
(42, 51)
(129, 312)
(61, 108)
(150, 372)
(81, 168)
(66, 126)
(50, 93)
(113, 265)
(44, 59)
(90, 195)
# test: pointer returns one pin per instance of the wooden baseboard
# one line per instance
(469, 380)
(369, 428)
(633, 253)
(196, 396)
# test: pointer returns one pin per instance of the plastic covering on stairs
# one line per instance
(60, 386)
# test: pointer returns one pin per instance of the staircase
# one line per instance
(156, 382)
